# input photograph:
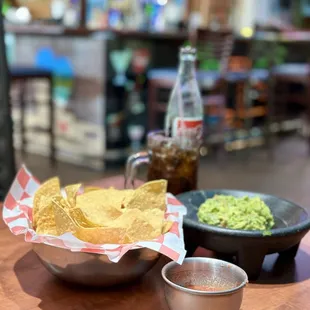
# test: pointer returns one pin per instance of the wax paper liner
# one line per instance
(17, 214)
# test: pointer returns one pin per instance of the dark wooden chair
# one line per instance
(274, 95)
(7, 159)
(214, 46)
(297, 75)
(263, 51)
(24, 75)
(214, 52)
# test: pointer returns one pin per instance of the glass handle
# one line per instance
(133, 163)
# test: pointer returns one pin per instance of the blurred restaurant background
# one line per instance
(90, 78)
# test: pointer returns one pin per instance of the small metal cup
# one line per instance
(204, 271)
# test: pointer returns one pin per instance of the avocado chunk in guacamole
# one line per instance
(242, 213)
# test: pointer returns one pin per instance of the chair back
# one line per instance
(265, 49)
(214, 49)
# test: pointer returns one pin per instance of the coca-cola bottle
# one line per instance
(184, 118)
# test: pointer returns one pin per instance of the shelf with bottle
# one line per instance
(136, 19)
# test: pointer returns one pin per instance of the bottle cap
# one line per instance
(189, 52)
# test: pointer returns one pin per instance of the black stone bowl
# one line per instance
(248, 248)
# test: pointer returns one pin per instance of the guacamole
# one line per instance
(243, 213)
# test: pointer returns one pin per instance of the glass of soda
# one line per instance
(167, 158)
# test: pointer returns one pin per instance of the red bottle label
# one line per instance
(189, 127)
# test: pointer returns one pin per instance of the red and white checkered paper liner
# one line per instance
(17, 214)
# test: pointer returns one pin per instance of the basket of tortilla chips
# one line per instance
(95, 236)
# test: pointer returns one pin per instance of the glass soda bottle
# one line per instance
(184, 117)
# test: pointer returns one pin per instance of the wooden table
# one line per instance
(25, 284)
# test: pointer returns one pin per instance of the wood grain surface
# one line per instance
(25, 284)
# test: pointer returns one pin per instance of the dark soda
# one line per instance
(178, 166)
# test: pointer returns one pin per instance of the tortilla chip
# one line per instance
(102, 198)
(48, 189)
(81, 219)
(72, 191)
(61, 202)
(91, 188)
(111, 235)
(126, 219)
(155, 217)
(46, 224)
(137, 225)
(141, 230)
(100, 207)
(64, 223)
(151, 195)
(166, 226)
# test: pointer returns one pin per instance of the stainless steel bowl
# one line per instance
(95, 269)
(204, 271)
